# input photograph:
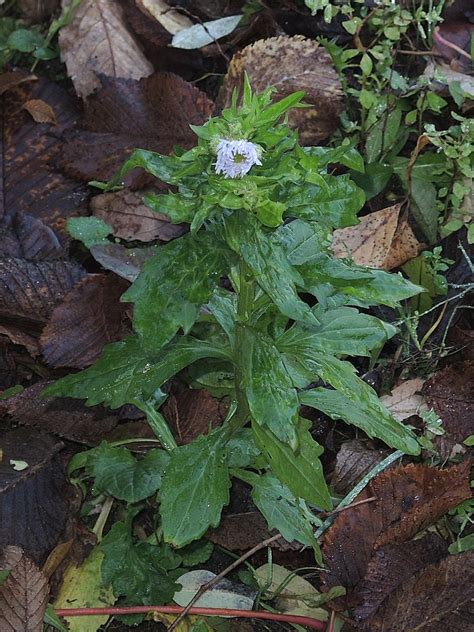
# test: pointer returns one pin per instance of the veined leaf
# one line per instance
(126, 372)
(118, 473)
(342, 331)
(356, 402)
(194, 489)
(282, 511)
(266, 258)
(302, 241)
(223, 306)
(173, 285)
(272, 400)
(300, 471)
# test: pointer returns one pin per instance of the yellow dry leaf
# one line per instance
(380, 240)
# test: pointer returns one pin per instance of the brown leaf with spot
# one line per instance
(291, 64)
(26, 237)
(31, 184)
(192, 412)
(409, 499)
(23, 594)
(90, 317)
(381, 240)
(353, 461)
(391, 566)
(40, 111)
(450, 393)
(153, 113)
(63, 416)
(34, 501)
(132, 219)
(29, 291)
(437, 599)
(97, 42)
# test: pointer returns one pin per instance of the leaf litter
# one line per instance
(61, 306)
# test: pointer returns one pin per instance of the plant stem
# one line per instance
(242, 345)
(158, 425)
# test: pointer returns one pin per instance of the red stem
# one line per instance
(314, 624)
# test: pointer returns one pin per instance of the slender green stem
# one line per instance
(245, 305)
(158, 425)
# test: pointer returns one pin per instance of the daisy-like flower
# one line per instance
(235, 158)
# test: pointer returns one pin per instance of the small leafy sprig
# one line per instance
(261, 211)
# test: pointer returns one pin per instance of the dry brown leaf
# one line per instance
(405, 399)
(23, 594)
(171, 19)
(354, 460)
(90, 317)
(154, 113)
(98, 42)
(191, 413)
(40, 111)
(391, 566)
(29, 291)
(380, 240)
(26, 237)
(409, 499)
(290, 64)
(63, 416)
(34, 501)
(440, 598)
(450, 393)
(132, 219)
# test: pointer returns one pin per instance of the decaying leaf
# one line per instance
(97, 42)
(26, 237)
(381, 240)
(439, 598)
(132, 219)
(30, 290)
(405, 399)
(154, 113)
(223, 594)
(353, 461)
(31, 185)
(391, 566)
(449, 392)
(34, 502)
(192, 412)
(126, 262)
(40, 111)
(291, 64)
(23, 594)
(90, 317)
(63, 416)
(409, 498)
(199, 35)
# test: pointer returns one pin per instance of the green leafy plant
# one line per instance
(261, 211)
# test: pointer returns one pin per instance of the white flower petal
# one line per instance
(235, 158)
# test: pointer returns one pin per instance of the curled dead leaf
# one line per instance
(291, 64)
(380, 240)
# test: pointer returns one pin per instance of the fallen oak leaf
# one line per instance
(23, 594)
(380, 240)
(97, 42)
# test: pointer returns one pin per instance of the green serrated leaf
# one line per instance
(300, 471)
(119, 474)
(194, 489)
(241, 449)
(136, 571)
(173, 285)
(126, 373)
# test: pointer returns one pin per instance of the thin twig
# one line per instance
(354, 504)
(205, 587)
(332, 621)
